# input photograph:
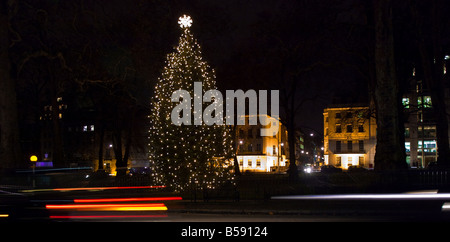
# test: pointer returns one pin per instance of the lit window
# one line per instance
(85, 128)
(92, 128)
(361, 160)
(429, 146)
(405, 102)
(426, 102)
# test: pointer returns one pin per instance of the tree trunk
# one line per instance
(58, 148)
(9, 129)
(100, 145)
(390, 152)
(117, 147)
(293, 171)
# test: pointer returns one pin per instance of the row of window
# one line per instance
(348, 115)
(350, 146)
(85, 128)
(259, 149)
(350, 161)
(425, 132)
(426, 103)
(429, 146)
(249, 134)
(250, 163)
(349, 128)
(250, 147)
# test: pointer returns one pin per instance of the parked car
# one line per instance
(356, 169)
(330, 169)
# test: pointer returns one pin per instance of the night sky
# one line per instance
(244, 41)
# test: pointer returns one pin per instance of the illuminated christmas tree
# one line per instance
(187, 155)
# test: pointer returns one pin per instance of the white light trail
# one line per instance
(394, 196)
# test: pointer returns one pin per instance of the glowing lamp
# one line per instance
(33, 158)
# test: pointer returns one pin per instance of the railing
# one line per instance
(433, 178)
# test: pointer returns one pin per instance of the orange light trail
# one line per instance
(89, 188)
(109, 207)
(134, 199)
(104, 188)
(105, 216)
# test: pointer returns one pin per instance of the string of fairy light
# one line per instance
(186, 155)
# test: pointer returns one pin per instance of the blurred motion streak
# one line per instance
(105, 216)
(446, 207)
(109, 207)
(137, 199)
(90, 188)
(420, 196)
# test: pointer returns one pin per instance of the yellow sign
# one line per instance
(33, 158)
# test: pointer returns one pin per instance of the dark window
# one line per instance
(349, 128)
(258, 147)
(338, 146)
(360, 128)
(250, 133)
(241, 134)
(361, 146)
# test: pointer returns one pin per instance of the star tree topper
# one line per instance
(185, 21)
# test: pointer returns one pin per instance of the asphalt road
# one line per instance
(129, 205)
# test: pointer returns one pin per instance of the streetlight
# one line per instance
(33, 159)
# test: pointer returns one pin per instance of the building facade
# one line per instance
(256, 153)
(349, 136)
(420, 122)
